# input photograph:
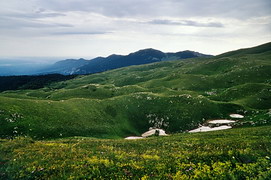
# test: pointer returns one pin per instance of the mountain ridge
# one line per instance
(114, 61)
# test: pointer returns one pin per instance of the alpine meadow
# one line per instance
(74, 128)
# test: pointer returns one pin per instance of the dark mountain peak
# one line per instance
(147, 54)
(97, 58)
(148, 51)
(197, 53)
(190, 52)
(114, 56)
(184, 55)
(82, 59)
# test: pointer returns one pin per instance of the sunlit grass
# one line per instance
(231, 154)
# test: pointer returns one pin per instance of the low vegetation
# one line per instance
(241, 153)
(30, 82)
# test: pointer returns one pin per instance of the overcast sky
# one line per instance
(90, 28)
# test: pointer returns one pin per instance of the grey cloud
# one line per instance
(160, 8)
(35, 15)
(17, 23)
(29, 19)
(81, 33)
(185, 23)
(119, 8)
(39, 15)
(129, 21)
(210, 24)
(241, 9)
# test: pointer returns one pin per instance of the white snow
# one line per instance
(221, 121)
(133, 137)
(236, 116)
(152, 132)
(207, 128)
(148, 133)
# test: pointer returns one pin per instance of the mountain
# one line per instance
(176, 96)
(67, 66)
(144, 56)
(101, 64)
(82, 66)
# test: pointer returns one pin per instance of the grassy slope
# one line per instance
(174, 95)
(242, 153)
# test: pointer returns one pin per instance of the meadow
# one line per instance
(241, 153)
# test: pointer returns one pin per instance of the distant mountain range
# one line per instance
(101, 64)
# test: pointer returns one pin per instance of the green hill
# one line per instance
(173, 95)
(254, 50)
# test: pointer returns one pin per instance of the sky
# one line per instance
(90, 28)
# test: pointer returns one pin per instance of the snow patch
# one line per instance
(207, 128)
(152, 132)
(236, 116)
(133, 137)
(159, 132)
(221, 121)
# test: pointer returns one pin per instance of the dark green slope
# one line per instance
(30, 82)
(254, 50)
(174, 95)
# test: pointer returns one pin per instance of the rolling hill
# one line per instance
(174, 95)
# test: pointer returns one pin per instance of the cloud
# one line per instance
(171, 8)
(60, 27)
(35, 15)
(241, 9)
(185, 23)
(19, 23)
(80, 33)
(30, 19)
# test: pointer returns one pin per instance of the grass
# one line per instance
(242, 153)
(74, 129)
(127, 101)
